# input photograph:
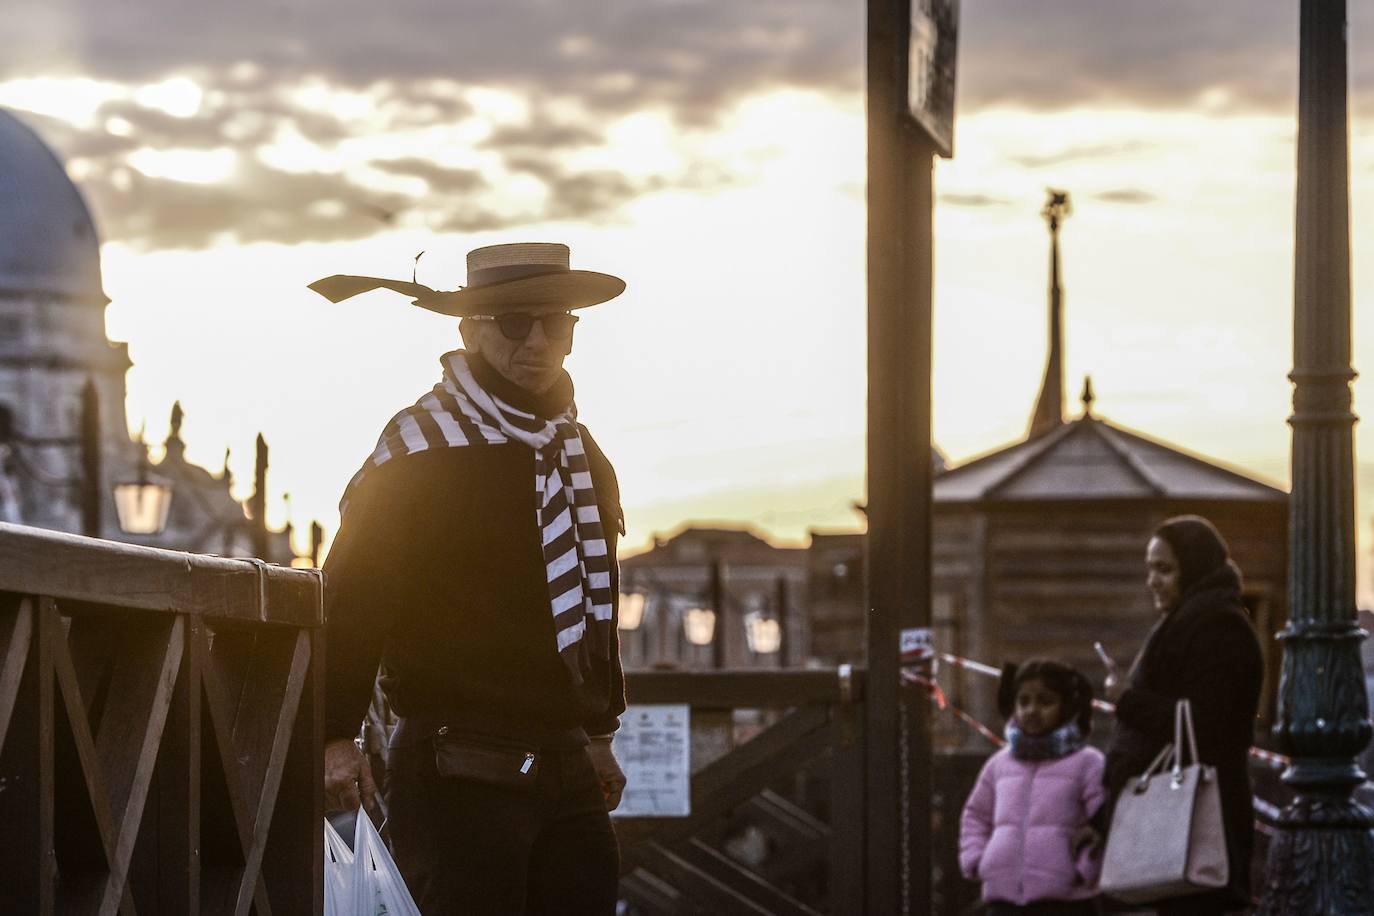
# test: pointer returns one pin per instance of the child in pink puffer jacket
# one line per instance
(1025, 831)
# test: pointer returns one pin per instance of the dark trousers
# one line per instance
(469, 848)
(1045, 908)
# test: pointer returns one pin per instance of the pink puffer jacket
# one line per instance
(1018, 825)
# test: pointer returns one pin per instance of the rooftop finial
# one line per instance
(1088, 397)
(176, 448)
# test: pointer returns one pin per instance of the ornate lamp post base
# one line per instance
(1322, 861)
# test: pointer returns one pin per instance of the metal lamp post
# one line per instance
(1323, 858)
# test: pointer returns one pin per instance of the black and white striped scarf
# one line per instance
(458, 413)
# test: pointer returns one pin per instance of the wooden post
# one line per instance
(780, 613)
(718, 646)
(897, 771)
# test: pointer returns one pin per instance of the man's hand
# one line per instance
(347, 777)
(607, 770)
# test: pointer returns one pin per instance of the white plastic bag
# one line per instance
(377, 887)
(338, 873)
(363, 881)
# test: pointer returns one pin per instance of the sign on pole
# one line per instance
(930, 80)
(653, 747)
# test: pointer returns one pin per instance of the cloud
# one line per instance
(326, 78)
(1126, 196)
(972, 200)
(1096, 151)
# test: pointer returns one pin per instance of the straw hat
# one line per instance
(501, 278)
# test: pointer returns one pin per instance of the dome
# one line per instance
(48, 243)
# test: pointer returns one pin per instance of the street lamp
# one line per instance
(763, 633)
(699, 625)
(631, 610)
(1322, 860)
(142, 504)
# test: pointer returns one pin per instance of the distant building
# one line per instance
(762, 590)
(1038, 547)
(52, 343)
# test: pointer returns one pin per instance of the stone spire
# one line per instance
(1049, 409)
(176, 447)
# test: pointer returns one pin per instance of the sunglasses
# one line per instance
(517, 325)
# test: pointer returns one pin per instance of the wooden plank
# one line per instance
(26, 768)
(77, 718)
(74, 568)
(166, 863)
(128, 757)
(692, 882)
(16, 637)
(653, 896)
(275, 759)
(295, 845)
(847, 827)
(743, 881)
(217, 895)
(735, 689)
(48, 632)
(789, 816)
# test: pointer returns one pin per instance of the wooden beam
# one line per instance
(694, 882)
(738, 689)
(16, 637)
(655, 895)
(743, 880)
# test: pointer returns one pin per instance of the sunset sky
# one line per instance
(711, 153)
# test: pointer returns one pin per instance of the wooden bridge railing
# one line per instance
(160, 731)
(810, 742)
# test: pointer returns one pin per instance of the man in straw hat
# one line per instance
(476, 563)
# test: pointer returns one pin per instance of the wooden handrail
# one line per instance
(746, 688)
(35, 561)
(163, 712)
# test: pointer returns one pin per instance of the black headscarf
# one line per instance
(1201, 552)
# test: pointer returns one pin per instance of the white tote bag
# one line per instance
(1167, 838)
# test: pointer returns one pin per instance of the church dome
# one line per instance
(48, 244)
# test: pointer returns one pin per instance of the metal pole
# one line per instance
(90, 460)
(781, 614)
(897, 765)
(1323, 858)
(718, 605)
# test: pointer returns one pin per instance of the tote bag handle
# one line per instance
(1183, 727)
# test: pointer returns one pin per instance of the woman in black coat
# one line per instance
(1203, 647)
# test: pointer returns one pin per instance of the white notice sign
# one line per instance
(653, 746)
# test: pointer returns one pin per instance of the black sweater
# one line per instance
(1205, 650)
(438, 569)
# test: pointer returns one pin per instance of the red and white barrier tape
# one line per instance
(1276, 761)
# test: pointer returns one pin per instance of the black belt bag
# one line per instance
(486, 760)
